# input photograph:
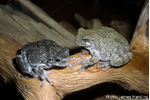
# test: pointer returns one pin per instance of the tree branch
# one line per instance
(133, 76)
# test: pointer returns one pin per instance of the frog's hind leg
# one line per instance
(25, 67)
(122, 57)
(104, 64)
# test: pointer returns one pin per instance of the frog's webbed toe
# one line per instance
(81, 68)
(104, 64)
(74, 58)
(84, 51)
(50, 81)
(47, 77)
(106, 68)
(43, 74)
(74, 64)
(80, 62)
(34, 75)
(84, 63)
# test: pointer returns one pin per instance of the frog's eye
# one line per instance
(42, 52)
(50, 60)
(85, 39)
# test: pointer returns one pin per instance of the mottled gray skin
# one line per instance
(40, 55)
(105, 45)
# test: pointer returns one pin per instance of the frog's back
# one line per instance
(37, 44)
(110, 34)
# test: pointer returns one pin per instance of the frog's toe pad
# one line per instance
(50, 81)
(101, 66)
(106, 68)
(51, 71)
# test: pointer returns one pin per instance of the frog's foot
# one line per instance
(71, 66)
(80, 62)
(104, 64)
(51, 71)
(47, 77)
(84, 51)
(34, 75)
(74, 64)
(74, 58)
(84, 62)
(43, 82)
(77, 63)
(80, 70)
(84, 58)
(83, 65)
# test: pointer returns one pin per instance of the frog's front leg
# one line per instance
(43, 74)
(71, 65)
(84, 51)
(77, 63)
(44, 77)
(84, 63)
(88, 60)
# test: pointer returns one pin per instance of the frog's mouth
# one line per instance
(60, 63)
(82, 42)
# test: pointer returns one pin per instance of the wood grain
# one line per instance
(25, 29)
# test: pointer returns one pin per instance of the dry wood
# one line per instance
(36, 11)
(25, 29)
(132, 76)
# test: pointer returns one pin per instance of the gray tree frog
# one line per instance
(40, 55)
(105, 45)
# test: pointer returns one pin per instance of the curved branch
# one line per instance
(132, 76)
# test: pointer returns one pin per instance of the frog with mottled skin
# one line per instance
(40, 55)
(105, 45)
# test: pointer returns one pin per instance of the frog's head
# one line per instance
(61, 58)
(84, 38)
